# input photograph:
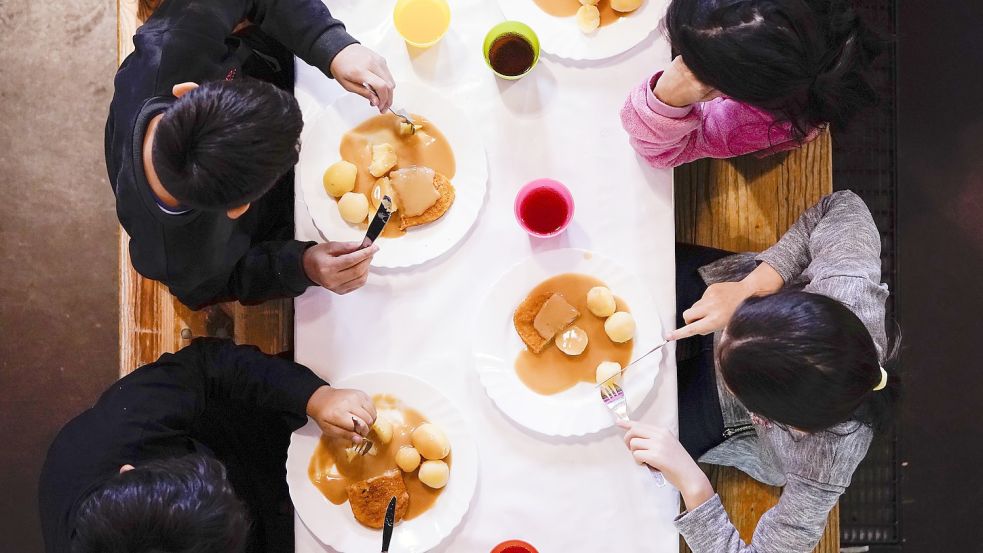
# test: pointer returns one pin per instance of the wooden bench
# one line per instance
(151, 321)
(746, 204)
(742, 204)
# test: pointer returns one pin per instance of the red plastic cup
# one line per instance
(514, 546)
(544, 207)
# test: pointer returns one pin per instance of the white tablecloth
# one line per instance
(561, 121)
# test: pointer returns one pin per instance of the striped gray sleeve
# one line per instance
(795, 525)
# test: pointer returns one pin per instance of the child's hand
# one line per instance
(341, 267)
(356, 66)
(679, 87)
(713, 311)
(718, 304)
(660, 449)
(333, 409)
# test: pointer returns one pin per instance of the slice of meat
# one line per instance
(526, 315)
(370, 498)
(437, 210)
(555, 315)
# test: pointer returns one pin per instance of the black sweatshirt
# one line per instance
(203, 256)
(213, 397)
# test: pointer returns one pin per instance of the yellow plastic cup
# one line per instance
(422, 23)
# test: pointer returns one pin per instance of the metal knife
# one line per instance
(387, 530)
(625, 368)
(378, 221)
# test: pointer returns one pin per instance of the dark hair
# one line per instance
(178, 505)
(802, 60)
(225, 143)
(805, 360)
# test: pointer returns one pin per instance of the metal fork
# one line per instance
(614, 399)
(401, 113)
(366, 445)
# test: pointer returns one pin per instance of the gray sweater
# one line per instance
(833, 250)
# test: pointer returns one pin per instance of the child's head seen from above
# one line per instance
(804, 360)
(802, 60)
(224, 144)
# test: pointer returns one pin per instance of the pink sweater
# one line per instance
(668, 136)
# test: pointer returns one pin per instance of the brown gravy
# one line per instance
(330, 453)
(568, 8)
(553, 371)
(427, 148)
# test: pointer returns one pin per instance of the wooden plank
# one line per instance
(268, 326)
(152, 321)
(746, 204)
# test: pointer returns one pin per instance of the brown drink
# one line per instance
(511, 55)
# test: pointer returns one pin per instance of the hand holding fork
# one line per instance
(614, 398)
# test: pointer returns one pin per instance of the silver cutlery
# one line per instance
(401, 113)
(623, 369)
(366, 445)
(387, 529)
(378, 221)
(616, 402)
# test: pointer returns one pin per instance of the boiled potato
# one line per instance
(431, 442)
(354, 207)
(601, 302)
(588, 18)
(434, 474)
(383, 429)
(620, 327)
(606, 370)
(572, 341)
(340, 178)
(589, 2)
(625, 6)
(383, 159)
(408, 459)
(383, 187)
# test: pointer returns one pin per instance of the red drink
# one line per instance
(514, 546)
(544, 207)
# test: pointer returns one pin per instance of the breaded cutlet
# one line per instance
(370, 498)
(523, 319)
(437, 210)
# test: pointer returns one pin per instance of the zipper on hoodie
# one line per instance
(730, 432)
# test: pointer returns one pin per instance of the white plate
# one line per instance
(562, 37)
(319, 149)
(334, 525)
(578, 410)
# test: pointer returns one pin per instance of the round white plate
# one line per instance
(334, 525)
(319, 149)
(578, 410)
(562, 37)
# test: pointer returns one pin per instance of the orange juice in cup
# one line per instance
(422, 23)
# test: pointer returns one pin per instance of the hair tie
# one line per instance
(883, 383)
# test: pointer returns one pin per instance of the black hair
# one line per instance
(802, 60)
(805, 360)
(177, 505)
(225, 143)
